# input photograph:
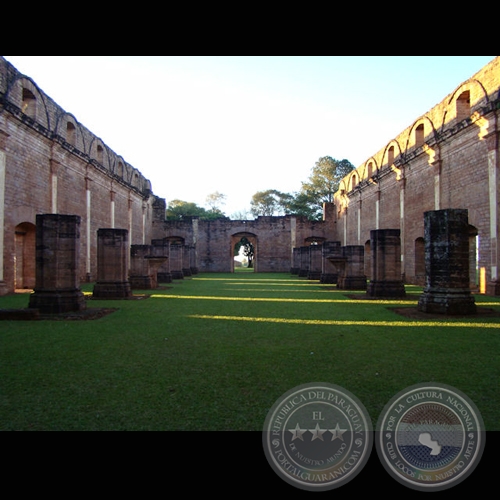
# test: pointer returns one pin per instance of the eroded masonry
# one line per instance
(372, 237)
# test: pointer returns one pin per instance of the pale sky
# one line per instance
(194, 125)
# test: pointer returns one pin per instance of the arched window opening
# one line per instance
(354, 181)
(371, 170)
(29, 104)
(419, 135)
(70, 134)
(390, 155)
(463, 105)
(100, 154)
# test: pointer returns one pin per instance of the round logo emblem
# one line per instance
(317, 436)
(430, 437)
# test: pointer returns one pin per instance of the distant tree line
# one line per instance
(324, 180)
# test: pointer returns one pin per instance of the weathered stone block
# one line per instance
(57, 260)
(447, 289)
(386, 278)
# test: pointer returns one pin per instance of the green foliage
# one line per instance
(180, 210)
(325, 179)
(248, 250)
(320, 187)
(304, 204)
(270, 202)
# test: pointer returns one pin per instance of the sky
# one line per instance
(236, 125)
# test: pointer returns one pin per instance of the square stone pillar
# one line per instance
(315, 262)
(304, 262)
(57, 284)
(331, 253)
(112, 264)
(161, 248)
(447, 288)
(352, 276)
(193, 261)
(386, 280)
(139, 275)
(295, 261)
(144, 265)
(176, 254)
(186, 261)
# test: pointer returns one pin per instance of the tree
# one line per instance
(248, 250)
(304, 204)
(214, 202)
(269, 202)
(179, 210)
(325, 179)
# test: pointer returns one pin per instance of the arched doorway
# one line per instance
(248, 241)
(25, 256)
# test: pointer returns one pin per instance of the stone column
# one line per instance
(186, 261)
(385, 247)
(161, 248)
(144, 265)
(353, 273)
(295, 261)
(57, 265)
(193, 260)
(304, 262)
(112, 264)
(315, 262)
(447, 289)
(54, 167)
(112, 195)
(176, 262)
(139, 275)
(332, 252)
(88, 224)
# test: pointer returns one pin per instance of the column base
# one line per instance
(352, 283)
(112, 290)
(57, 301)
(493, 288)
(141, 282)
(450, 303)
(329, 278)
(164, 277)
(383, 288)
(4, 289)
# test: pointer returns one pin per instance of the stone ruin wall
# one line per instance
(273, 237)
(53, 164)
(448, 158)
(50, 163)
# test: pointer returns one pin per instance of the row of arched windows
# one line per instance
(68, 131)
(416, 139)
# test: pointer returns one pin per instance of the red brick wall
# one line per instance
(454, 149)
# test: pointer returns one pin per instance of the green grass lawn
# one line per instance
(215, 351)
